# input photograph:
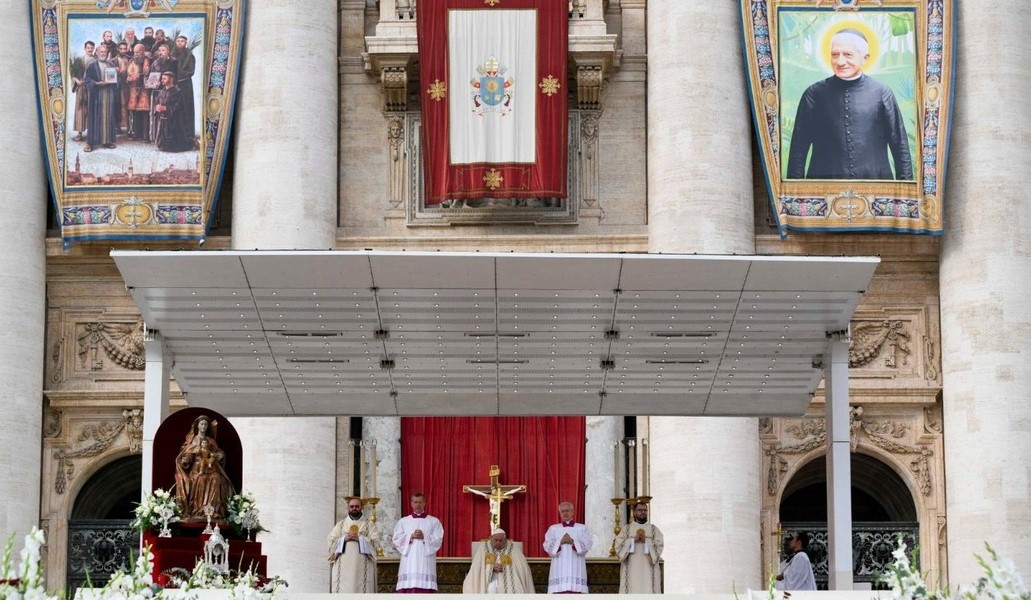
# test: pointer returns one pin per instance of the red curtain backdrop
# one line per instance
(545, 178)
(441, 454)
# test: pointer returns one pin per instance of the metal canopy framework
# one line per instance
(404, 333)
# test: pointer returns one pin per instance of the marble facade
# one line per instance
(939, 342)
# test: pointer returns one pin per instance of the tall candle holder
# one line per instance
(372, 517)
(617, 526)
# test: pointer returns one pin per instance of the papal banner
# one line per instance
(136, 101)
(493, 77)
(852, 101)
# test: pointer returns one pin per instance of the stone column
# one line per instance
(285, 182)
(705, 471)
(985, 291)
(285, 197)
(602, 433)
(22, 283)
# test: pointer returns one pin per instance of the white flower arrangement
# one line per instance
(242, 511)
(999, 582)
(25, 582)
(245, 585)
(157, 511)
(137, 584)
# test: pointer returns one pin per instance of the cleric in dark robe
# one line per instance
(172, 132)
(101, 79)
(850, 120)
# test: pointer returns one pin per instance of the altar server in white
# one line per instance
(567, 543)
(417, 538)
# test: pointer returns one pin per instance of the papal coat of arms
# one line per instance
(492, 92)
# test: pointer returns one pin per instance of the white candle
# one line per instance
(350, 467)
(361, 470)
(632, 468)
(615, 470)
(646, 478)
(372, 465)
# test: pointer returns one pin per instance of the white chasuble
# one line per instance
(568, 561)
(514, 577)
(353, 563)
(639, 571)
(418, 568)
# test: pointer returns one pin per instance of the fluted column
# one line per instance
(986, 292)
(705, 471)
(285, 197)
(22, 283)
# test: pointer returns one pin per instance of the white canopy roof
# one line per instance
(412, 333)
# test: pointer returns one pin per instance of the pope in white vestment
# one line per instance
(498, 567)
(417, 538)
(639, 548)
(353, 544)
(567, 543)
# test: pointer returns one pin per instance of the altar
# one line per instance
(602, 574)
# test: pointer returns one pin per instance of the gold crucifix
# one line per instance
(495, 493)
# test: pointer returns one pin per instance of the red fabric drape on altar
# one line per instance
(441, 454)
(546, 176)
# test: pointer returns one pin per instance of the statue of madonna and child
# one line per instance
(200, 476)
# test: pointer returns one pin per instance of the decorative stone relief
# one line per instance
(895, 343)
(931, 372)
(396, 177)
(589, 157)
(888, 339)
(134, 429)
(51, 422)
(121, 343)
(885, 433)
(395, 87)
(813, 429)
(589, 79)
(54, 320)
(933, 420)
(98, 438)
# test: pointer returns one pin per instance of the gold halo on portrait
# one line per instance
(871, 38)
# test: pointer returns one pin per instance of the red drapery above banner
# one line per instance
(469, 148)
(441, 454)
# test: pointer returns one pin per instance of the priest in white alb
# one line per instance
(567, 543)
(353, 544)
(639, 548)
(417, 538)
(498, 567)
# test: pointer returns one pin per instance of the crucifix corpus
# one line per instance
(495, 493)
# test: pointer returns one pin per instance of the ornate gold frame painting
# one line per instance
(852, 101)
(136, 100)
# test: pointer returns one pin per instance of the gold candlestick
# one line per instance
(372, 517)
(617, 527)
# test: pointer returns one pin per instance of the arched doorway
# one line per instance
(100, 540)
(882, 509)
